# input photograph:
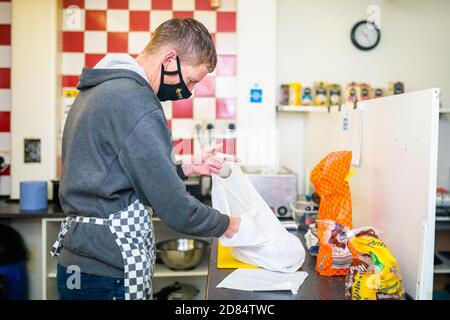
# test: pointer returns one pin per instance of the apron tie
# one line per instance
(65, 226)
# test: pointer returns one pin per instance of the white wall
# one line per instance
(256, 64)
(34, 88)
(314, 44)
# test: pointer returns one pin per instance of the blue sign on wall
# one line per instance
(345, 122)
(256, 95)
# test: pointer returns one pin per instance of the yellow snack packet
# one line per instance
(374, 273)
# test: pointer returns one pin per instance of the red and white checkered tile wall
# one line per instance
(5, 92)
(93, 28)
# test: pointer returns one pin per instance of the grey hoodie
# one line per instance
(117, 148)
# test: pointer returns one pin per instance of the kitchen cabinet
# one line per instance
(441, 282)
(442, 270)
(29, 226)
(39, 231)
(162, 277)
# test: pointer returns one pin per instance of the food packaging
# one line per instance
(311, 240)
(284, 94)
(378, 92)
(334, 94)
(396, 88)
(353, 92)
(374, 273)
(366, 91)
(294, 93)
(330, 180)
(320, 93)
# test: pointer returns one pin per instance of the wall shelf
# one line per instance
(444, 267)
(283, 108)
(162, 271)
(286, 108)
(201, 270)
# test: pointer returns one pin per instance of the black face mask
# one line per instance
(173, 91)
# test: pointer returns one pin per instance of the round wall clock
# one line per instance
(365, 35)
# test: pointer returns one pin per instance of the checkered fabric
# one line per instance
(133, 232)
(94, 28)
(5, 92)
(132, 229)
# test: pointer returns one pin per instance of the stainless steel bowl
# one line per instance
(181, 254)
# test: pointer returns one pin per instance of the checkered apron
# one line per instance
(132, 229)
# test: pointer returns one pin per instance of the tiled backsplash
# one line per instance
(5, 92)
(93, 28)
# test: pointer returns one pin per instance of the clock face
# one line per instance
(365, 35)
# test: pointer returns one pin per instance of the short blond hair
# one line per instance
(189, 38)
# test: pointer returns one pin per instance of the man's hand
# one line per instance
(233, 227)
(209, 162)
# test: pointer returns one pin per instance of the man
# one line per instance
(118, 160)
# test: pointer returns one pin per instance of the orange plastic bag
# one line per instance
(329, 178)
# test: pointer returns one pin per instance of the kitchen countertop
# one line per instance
(315, 287)
(9, 209)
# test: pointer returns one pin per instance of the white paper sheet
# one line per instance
(263, 280)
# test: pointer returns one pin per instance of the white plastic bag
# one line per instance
(262, 240)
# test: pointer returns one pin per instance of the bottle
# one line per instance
(307, 97)
(284, 95)
(294, 93)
